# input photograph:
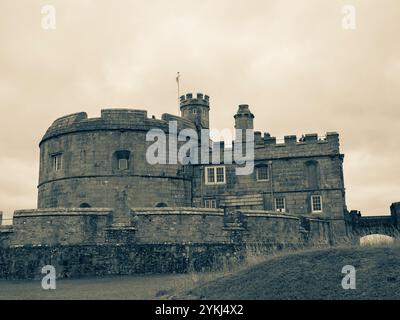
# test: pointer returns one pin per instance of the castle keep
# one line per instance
(96, 187)
(94, 162)
(94, 181)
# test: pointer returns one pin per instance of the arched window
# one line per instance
(312, 174)
(161, 205)
(85, 205)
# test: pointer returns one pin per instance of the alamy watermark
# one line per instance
(49, 280)
(184, 148)
(349, 280)
(48, 17)
(349, 21)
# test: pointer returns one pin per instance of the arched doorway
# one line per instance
(85, 205)
(376, 239)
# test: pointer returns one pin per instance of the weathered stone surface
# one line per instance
(101, 260)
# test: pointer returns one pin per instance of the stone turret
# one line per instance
(244, 119)
(196, 109)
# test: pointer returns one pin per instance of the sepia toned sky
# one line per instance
(291, 61)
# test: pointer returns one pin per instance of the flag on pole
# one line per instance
(177, 82)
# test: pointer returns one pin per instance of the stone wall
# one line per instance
(59, 226)
(195, 225)
(102, 260)
(88, 241)
(179, 225)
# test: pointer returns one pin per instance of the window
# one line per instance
(210, 175)
(262, 173)
(280, 204)
(215, 175)
(57, 162)
(221, 174)
(85, 205)
(122, 160)
(316, 203)
(122, 164)
(210, 203)
(312, 174)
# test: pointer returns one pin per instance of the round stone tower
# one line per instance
(196, 109)
(101, 162)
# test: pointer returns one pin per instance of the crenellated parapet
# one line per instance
(290, 140)
(113, 119)
(190, 100)
(196, 109)
(291, 143)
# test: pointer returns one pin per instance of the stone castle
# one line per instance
(96, 187)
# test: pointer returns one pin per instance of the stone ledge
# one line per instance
(62, 212)
(176, 211)
(6, 229)
(267, 213)
(120, 227)
(231, 226)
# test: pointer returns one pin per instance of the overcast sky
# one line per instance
(291, 61)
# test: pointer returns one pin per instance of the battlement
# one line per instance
(293, 140)
(113, 119)
(123, 114)
(189, 100)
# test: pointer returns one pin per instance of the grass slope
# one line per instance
(313, 274)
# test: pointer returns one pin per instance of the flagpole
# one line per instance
(177, 81)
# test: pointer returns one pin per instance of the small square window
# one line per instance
(210, 203)
(280, 204)
(123, 164)
(122, 160)
(57, 162)
(262, 173)
(316, 203)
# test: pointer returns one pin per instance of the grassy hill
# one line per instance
(313, 274)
